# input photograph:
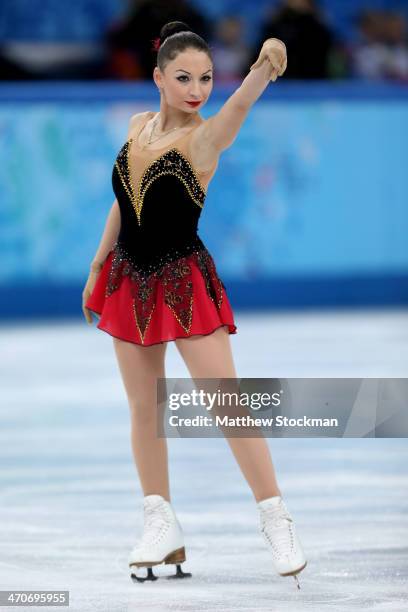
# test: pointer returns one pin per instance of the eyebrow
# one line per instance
(181, 69)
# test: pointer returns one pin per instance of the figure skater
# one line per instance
(153, 281)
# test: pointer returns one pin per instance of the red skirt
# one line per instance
(185, 298)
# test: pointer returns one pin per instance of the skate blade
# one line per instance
(177, 556)
(151, 576)
(179, 574)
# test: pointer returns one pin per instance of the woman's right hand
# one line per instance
(274, 51)
(89, 287)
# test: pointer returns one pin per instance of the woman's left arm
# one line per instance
(221, 129)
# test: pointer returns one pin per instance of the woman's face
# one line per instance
(187, 78)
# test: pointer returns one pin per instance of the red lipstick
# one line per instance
(193, 103)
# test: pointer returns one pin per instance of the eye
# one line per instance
(184, 76)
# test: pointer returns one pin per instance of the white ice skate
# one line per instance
(280, 535)
(162, 540)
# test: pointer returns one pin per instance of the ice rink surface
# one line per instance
(71, 503)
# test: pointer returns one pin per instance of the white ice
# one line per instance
(71, 502)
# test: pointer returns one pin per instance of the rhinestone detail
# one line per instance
(172, 162)
(175, 275)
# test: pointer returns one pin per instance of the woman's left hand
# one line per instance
(274, 51)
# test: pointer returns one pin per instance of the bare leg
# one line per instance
(140, 366)
(211, 357)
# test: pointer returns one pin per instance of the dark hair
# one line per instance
(175, 37)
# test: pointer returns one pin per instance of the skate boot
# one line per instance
(162, 540)
(280, 535)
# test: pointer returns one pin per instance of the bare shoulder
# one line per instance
(136, 120)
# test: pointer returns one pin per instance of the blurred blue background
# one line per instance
(309, 206)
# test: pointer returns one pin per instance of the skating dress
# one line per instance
(159, 281)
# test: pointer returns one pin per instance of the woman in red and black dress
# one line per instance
(153, 280)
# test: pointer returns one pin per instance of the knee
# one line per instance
(143, 413)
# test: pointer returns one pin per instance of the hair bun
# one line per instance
(173, 27)
(176, 37)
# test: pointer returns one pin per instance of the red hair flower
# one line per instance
(156, 43)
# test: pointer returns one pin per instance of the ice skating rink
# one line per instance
(71, 503)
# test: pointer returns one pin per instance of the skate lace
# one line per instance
(155, 526)
(277, 527)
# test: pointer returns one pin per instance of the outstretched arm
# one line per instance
(220, 130)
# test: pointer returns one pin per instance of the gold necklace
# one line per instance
(150, 141)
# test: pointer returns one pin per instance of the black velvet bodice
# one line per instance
(159, 216)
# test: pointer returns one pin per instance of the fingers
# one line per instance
(273, 72)
(277, 60)
(278, 67)
(87, 314)
(283, 67)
